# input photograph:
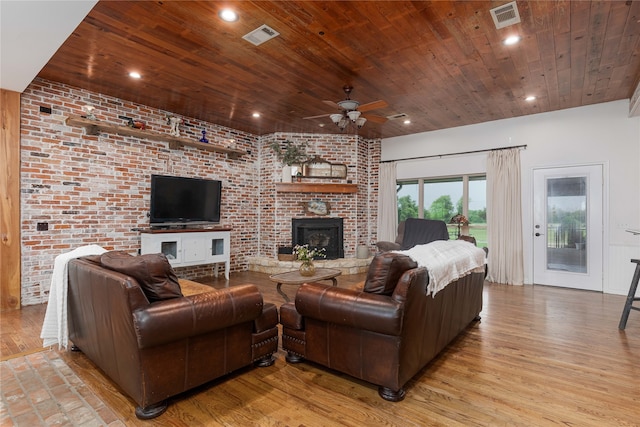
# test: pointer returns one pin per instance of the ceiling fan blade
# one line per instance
(373, 105)
(332, 104)
(375, 119)
(318, 116)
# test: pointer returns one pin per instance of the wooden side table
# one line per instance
(295, 278)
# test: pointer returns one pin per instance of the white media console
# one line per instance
(186, 247)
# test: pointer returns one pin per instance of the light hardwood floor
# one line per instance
(540, 356)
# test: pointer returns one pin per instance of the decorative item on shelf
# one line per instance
(89, 110)
(289, 154)
(460, 220)
(174, 122)
(306, 255)
(317, 167)
(299, 176)
(204, 137)
(316, 206)
(136, 124)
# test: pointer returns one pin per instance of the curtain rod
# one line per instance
(454, 154)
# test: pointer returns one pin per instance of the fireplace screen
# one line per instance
(319, 233)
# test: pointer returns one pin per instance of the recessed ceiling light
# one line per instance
(511, 40)
(135, 75)
(228, 15)
(256, 115)
(530, 98)
(407, 122)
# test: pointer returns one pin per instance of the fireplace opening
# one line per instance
(319, 233)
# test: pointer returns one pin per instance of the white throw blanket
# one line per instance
(446, 261)
(54, 328)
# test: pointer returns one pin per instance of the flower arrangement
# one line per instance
(303, 253)
(459, 219)
(290, 153)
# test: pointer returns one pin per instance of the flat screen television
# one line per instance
(182, 201)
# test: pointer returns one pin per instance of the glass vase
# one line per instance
(307, 268)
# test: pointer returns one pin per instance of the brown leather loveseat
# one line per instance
(385, 333)
(152, 341)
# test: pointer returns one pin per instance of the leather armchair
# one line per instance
(415, 231)
(155, 350)
(387, 332)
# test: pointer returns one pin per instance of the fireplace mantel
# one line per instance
(315, 187)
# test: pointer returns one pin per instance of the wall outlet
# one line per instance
(42, 226)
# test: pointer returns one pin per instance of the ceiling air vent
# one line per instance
(397, 116)
(505, 15)
(260, 35)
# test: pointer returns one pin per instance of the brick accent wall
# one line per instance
(95, 189)
(356, 209)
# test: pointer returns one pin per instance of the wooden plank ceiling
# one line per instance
(441, 63)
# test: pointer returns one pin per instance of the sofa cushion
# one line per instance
(385, 271)
(152, 271)
(94, 259)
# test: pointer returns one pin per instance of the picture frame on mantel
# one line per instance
(317, 207)
(317, 167)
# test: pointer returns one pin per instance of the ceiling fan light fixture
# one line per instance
(335, 118)
(360, 122)
(353, 115)
(348, 104)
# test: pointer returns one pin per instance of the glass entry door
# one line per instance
(568, 227)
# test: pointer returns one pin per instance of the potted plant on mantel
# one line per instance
(289, 153)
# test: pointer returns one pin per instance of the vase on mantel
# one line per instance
(307, 268)
(286, 173)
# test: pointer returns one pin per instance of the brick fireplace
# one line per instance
(324, 233)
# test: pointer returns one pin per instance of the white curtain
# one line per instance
(504, 217)
(387, 203)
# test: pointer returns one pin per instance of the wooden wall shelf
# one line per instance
(296, 187)
(93, 127)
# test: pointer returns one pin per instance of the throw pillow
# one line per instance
(385, 271)
(152, 271)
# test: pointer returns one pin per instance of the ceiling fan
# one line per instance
(350, 111)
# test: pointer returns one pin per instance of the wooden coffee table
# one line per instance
(295, 278)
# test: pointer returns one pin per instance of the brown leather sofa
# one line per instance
(156, 350)
(385, 333)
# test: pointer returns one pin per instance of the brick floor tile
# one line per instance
(39, 395)
(28, 419)
(5, 420)
(47, 408)
(82, 415)
(17, 404)
(66, 398)
(41, 389)
(58, 419)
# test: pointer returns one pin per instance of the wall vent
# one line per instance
(505, 15)
(260, 35)
(397, 116)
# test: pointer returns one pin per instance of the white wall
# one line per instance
(597, 134)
